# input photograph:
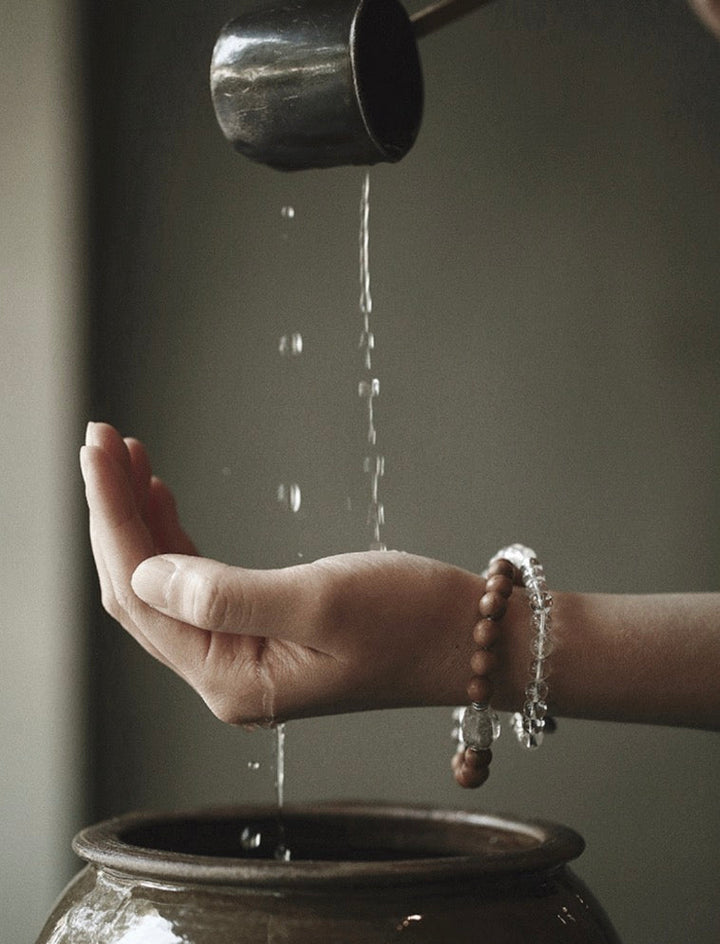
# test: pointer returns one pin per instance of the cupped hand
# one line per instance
(352, 632)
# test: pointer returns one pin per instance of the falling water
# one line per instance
(282, 852)
(369, 386)
(289, 499)
(289, 495)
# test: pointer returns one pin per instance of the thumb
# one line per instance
(221, 598)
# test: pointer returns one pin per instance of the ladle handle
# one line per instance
(439, 14)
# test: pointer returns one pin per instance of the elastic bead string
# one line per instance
(477, 724)
(531, 724)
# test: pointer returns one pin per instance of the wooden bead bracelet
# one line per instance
(477, 724)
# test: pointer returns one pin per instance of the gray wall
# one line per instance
(42, 526)
(546, 285)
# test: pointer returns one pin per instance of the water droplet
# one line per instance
(282, 853)
(374, 465)
(367, 339)
(406, 922)
(291, 345)
(369, 388)
(367, 345)
(253, 765)
(287, 213)
(376, 513)
(250, 838)
(290, 496)
(226, 472)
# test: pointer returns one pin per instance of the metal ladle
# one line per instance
(321, 83)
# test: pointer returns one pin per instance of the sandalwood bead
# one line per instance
(486, 633)
(483, 662)
(473, 768)
(492, 605)
(480, 689)
(477, 759)
(503, 567)
(501, 584)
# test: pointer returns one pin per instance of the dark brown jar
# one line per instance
(358, 874)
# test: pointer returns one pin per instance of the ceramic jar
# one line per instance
(357, 874)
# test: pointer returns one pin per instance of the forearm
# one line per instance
(647, 659)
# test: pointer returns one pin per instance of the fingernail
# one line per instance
(90, 434)
(151, 581)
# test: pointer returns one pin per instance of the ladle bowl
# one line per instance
(318, 83)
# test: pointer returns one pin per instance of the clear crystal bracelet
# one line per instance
(530, 723)
(477, 724)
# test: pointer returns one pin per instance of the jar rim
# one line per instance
(340, 844)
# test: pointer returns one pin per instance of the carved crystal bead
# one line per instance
(529, 731)
(480, 726)
(538, 689)
(535, 710)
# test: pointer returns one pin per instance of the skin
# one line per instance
(376, 629)
(709, 12)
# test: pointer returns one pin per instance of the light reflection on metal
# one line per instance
(318, 83)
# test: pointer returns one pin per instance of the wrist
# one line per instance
(477, 724)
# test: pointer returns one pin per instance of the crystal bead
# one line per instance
(480, 727)
(541, 646)
(537, 691)
(539, 672)
(540, 600)
(529, 732)
(531, 741)
(536, 710)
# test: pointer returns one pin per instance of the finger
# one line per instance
(162, 519)
(106, 437)
(120, 541)
(220, 598)
(110, 583)
(113, 606)
(141, 472)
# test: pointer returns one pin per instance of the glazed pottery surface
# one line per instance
(358, 873)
